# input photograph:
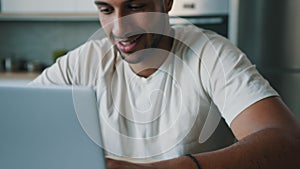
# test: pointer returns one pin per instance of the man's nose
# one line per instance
(122, 25)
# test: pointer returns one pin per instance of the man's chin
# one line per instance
(131, 58)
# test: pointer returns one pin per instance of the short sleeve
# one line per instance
(60, 73)
(81, 67)
(230, 79)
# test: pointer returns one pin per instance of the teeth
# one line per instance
(126, 43)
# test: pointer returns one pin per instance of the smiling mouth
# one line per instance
(128, 45)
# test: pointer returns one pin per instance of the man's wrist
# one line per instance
(183, 162)
(196, 162)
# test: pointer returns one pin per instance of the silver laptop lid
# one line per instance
(49, 127)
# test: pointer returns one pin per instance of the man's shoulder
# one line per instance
(191, 40)
(96, 44)
(93, 56)
(92, 49)
(198, 39)
(188, 32)
(193, 37)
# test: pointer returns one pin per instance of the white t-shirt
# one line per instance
(178, 108)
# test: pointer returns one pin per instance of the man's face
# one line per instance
(134, 25)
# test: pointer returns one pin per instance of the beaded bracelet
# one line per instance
(194, 160)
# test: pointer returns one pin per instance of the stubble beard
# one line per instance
(140, 55)
(155, 42)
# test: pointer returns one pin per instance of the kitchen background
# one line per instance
(268, 31)
(32, 30)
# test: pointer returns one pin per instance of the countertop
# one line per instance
(17, 78)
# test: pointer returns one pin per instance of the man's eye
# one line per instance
(106, 10)
(136, 7)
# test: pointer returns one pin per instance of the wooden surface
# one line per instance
(18, 75)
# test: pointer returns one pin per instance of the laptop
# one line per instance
(49, 128)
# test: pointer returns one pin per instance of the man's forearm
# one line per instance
(266, 149)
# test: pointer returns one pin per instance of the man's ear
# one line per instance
(168, 5)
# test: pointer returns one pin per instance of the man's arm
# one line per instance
(268, 138)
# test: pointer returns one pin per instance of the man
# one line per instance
(160, 91)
